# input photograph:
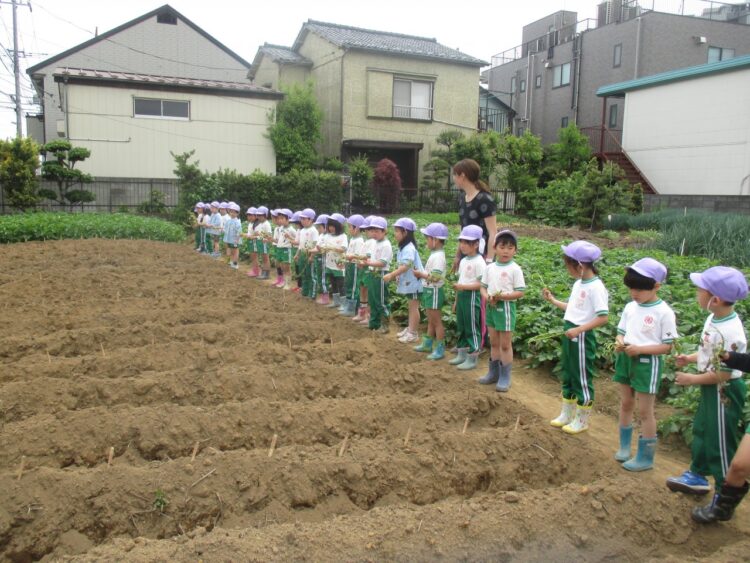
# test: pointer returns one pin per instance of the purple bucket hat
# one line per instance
(724, 282)
(471, 232)
(435, 230)
(286, 212)
(274, 212)
(366, 223)
(322, 219)
(262, 210)
(223, 205)
(406, 224)
(378, 223)
(307, 213)
(215, 204)
(507, 233)
(251, 211)
(295, 217)
(582, 251)
(650, 268)
(356, 220)
(339, 218)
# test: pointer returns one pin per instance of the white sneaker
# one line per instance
(400, 333)
(408, 336)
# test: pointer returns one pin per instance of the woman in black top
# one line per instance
(476, 205)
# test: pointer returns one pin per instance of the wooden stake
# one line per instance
(408, 435)
(420, 525)
(466, 425)
(518, 421)
(103, 354)
(111, 455)
(331, 341)
(21, 468)
(289, 340)
(342, 449)
(273, 445)
(195, 452)
(274, 384)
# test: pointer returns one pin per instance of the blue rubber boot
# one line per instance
(626, 437)
(460, 357)
(438, 351)
(470, 362)
(425, 345)
(503, 382)
(351, 310)
(644, 458)
(493, 373)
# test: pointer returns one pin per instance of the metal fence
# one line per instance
(112, 194)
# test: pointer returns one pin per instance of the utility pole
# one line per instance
(17, 72)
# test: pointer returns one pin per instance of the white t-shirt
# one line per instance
(356, 246)
(224, 219)
(436, 267)
(383, 252)
(368, 248)
(471, 269)
(725, 334)
(588, 299)
(339, 242)
(283, 241)
(503, 278)
(262, 229)
(308, 237)
(648, 324)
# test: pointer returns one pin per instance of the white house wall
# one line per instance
(226, 132)
(693, 136)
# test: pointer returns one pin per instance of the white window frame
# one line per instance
(617, 56)
(162, 116)
(411, 111)
(725, 53)
(559, 74)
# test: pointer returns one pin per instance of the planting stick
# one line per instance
(408, 435)
(103, 353)
(289, 340)
(195, 452)
(274, 384)
(202, 478)
(331, 341)
(518, 420)
(273, 444)
(545, 451)
(342, 449)
(21, 468)
(420, 525)
(110, 456)
(466, 425)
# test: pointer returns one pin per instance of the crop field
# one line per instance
(156, 405)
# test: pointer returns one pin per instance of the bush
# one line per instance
(556, 203)
(19, 159)
(363, 198)
(48, 226)
(387, 184)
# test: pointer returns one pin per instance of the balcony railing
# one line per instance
(412, 112)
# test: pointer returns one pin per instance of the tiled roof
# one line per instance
(282, 54)
(370, 40)
(87, 74)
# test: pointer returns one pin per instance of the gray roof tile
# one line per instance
(282, 54)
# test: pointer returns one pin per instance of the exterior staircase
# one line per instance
(607, 148)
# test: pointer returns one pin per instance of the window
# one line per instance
(166, 17)
(513, 84)
(613, 116)
(617, 56)
(167, 109)
(561, 75)
(538, 81)
(522, 85)
(564, 122)
(716, 54)
(412, 99)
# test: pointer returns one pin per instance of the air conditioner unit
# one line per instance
(547, 64)
(700, 40)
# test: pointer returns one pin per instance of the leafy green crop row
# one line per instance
(48, 226)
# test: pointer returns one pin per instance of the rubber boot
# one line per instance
(580, 422)
(460, 358)
(425, 345)
(343, 305)
(470, 362)
(493, 373)
(253, 272)
(438, 351)
(722, 506)
(626, 437)
(279, 281)
(335, 302)
(644, 457)
(287, 282)
(503, 382)
(566, 414)
(351, 309)
(263, 275)
(360, 315)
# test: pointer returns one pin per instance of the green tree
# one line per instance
(569, 154)
(294, 129)
(194, 184)
(362, 173)
(604, 192)
(19, 160)
(59, 167)
(520, 159)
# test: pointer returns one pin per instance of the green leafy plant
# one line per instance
(294, 129)
(160, 500)
(154, 205)
(363, 198)
(19, 159)
(60, 167)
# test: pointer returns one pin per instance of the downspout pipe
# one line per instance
(637, 46)
(578, 77)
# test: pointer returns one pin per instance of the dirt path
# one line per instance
(185, 371)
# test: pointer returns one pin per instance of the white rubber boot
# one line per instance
(580, 422)
(566, 414)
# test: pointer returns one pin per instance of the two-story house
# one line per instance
(156, 85)
(384, 95)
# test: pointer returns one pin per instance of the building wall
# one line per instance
(666, 42)
(268, 73)
(225, 132)
(327, 76)
(292, 74)
(199, 59)
(368, 95)
(684, 151)
(541, 26)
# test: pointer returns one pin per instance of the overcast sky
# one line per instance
(478, 28)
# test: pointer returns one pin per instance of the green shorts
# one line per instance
(284, 255)
(502, 317)
(433, 297)
(642, 373)
(411, 296)
(230, 245)
(334, 273)
(364, 277)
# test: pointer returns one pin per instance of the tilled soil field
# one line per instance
(155, 405)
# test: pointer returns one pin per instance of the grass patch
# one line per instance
(53, 226)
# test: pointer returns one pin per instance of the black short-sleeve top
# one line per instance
(476, 211)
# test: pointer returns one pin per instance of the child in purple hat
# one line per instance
(232, 235)
(408, 263)
(378, 263)
(263, 234)
(716, 424)
(645, 334)
(214, 229)
(306, 241)
(586, 309)
(433, 294)
(351, 277)
(197, 220)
